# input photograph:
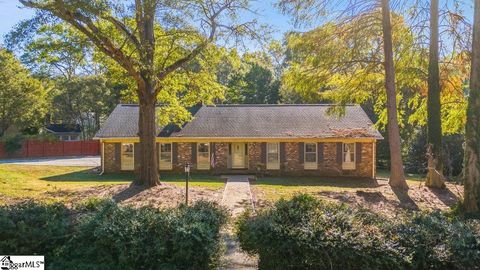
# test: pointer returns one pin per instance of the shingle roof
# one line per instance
(251, 121)
(64, 128)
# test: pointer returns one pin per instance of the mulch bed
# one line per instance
(164, 195)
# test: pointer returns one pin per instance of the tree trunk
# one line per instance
(397, 177)
(472, 131)
(148, 172)
(434, 125)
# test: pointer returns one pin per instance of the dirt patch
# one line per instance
(382, 199)
(161, 196)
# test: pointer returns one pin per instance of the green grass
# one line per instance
(35, 182)
(274, 188)
(409, 176)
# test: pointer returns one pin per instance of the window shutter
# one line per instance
(246, 149)
(320, 152)
(118, 152)
(301, 151)
(282, 153)
(212, 149)
(194, 153)
(264, 153)
(136, 155)
(339, 153)
(174, 153)
(358, 152)
(229, 149)
(158, 154)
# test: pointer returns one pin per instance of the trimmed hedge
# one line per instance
(306, 233)
(114, 237)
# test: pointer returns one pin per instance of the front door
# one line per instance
(238, 155)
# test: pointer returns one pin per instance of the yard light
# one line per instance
(187, 177)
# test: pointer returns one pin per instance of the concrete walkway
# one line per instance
(85, 161)
(237, 198)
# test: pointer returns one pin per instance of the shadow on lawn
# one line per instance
(340, 182)
(446, 196)
(90, 176)
(129, 192)
(405, 200)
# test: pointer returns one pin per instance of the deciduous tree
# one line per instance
(22, 98)
(352, 10)
(138, 52)
(434, 124)
(472, 133)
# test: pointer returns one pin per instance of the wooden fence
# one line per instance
(33, 148)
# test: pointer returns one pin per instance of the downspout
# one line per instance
(374, 161)
(103, 157)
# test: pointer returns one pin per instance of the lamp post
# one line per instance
(187, 177)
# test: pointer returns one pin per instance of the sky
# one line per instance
(12, 13)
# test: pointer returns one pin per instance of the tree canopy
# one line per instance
(22, 98)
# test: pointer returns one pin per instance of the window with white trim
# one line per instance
(348, 156)
(126, 157)
(203, 156)
(165, 156)
(273, 156)
(310, 156)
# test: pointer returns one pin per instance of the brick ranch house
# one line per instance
(267, 139)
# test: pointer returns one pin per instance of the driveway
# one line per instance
(85, 161)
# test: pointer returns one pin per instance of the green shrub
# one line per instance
(100, 234)
(146, 238)
(306, 233)
(12, 143)
(30, 228)
(433, 241)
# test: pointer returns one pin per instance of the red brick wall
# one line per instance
(291, 166)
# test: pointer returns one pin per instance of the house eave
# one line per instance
(242, 139)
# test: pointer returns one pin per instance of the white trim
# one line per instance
(310, 165)
(203, 166)
(103, 157)
(374, 161)
(244, 139)
(168, 165)
(121, 157)
(242, 149)
(352, 164)
(276, 165)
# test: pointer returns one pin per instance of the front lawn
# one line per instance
(274, 188)
(54, 183)
(376, 195)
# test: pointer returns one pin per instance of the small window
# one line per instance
(127, 157)
(310, 156)
(348, 156)
(203, 156)
(273, 160)
(165, 157)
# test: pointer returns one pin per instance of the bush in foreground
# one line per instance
(306, 233)
(30, 228)
(112, 237)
